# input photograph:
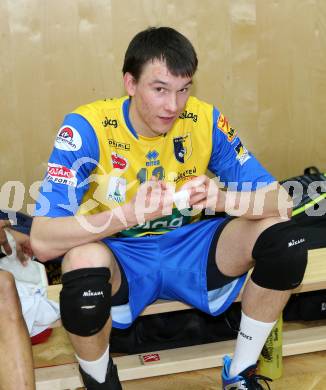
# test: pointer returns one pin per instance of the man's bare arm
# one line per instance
(269, 201)
(3, 238)
(52, 237)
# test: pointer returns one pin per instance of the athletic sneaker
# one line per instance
(246, 380)
(112, 381)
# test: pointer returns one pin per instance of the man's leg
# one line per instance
(261, 306)
(16, 360)
(234, 257)
(86, 291)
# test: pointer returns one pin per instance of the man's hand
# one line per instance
(3, 237)
(23, 246)
(153, 200)
(204, 193)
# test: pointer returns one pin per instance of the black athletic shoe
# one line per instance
(246, 380)
(112, 381)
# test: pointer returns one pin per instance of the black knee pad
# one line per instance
(85, 300)
(281, 257)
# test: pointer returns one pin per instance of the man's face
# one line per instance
(158, 98)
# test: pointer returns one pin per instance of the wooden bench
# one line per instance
(297, 341)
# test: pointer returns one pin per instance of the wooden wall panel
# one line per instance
(263, 63)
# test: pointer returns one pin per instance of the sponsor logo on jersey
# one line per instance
(68, 139)
(61, 174)
(149, 358)
(242, 153)
(171, 223)
(117, 189)
(110, 122)
(189, 115)
(118, 161)
(160, 225)
(152, 156)
(119, 145)
(186, 175)
(182, 147)
(223, 125)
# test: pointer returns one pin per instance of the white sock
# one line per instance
(96, 368)
(251, 339)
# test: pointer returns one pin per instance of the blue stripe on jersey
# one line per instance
(125, 108)
(58, 199)
(224, 163)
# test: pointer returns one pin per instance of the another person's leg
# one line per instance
(16, 360)
(90, 276)
(278, 253)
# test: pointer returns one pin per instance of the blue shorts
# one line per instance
(170, 266)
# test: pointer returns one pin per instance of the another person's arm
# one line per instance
(3, 237)
(23, 246)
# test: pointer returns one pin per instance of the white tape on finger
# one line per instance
(181, 199)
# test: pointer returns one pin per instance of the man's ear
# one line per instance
(129, 83)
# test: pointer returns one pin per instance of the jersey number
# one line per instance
(143, 176)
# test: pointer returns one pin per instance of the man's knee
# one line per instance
(280, 253)
(85, 300)
(88, 256)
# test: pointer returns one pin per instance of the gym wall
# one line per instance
(261, 62)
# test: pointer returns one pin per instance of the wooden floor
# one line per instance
(301, 372)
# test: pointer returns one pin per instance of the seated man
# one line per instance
(110, 184)
(16, 360)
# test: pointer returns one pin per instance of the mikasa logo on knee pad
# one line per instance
(296, 242)
(90, 293)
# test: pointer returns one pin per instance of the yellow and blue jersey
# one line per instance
(99, 161)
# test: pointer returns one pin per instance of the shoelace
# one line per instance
(253, 381)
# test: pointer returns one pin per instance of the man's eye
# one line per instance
(160, 89)
(184, 90)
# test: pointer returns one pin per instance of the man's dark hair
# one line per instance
(163, 44)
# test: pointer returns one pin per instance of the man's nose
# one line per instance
(171, 103)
